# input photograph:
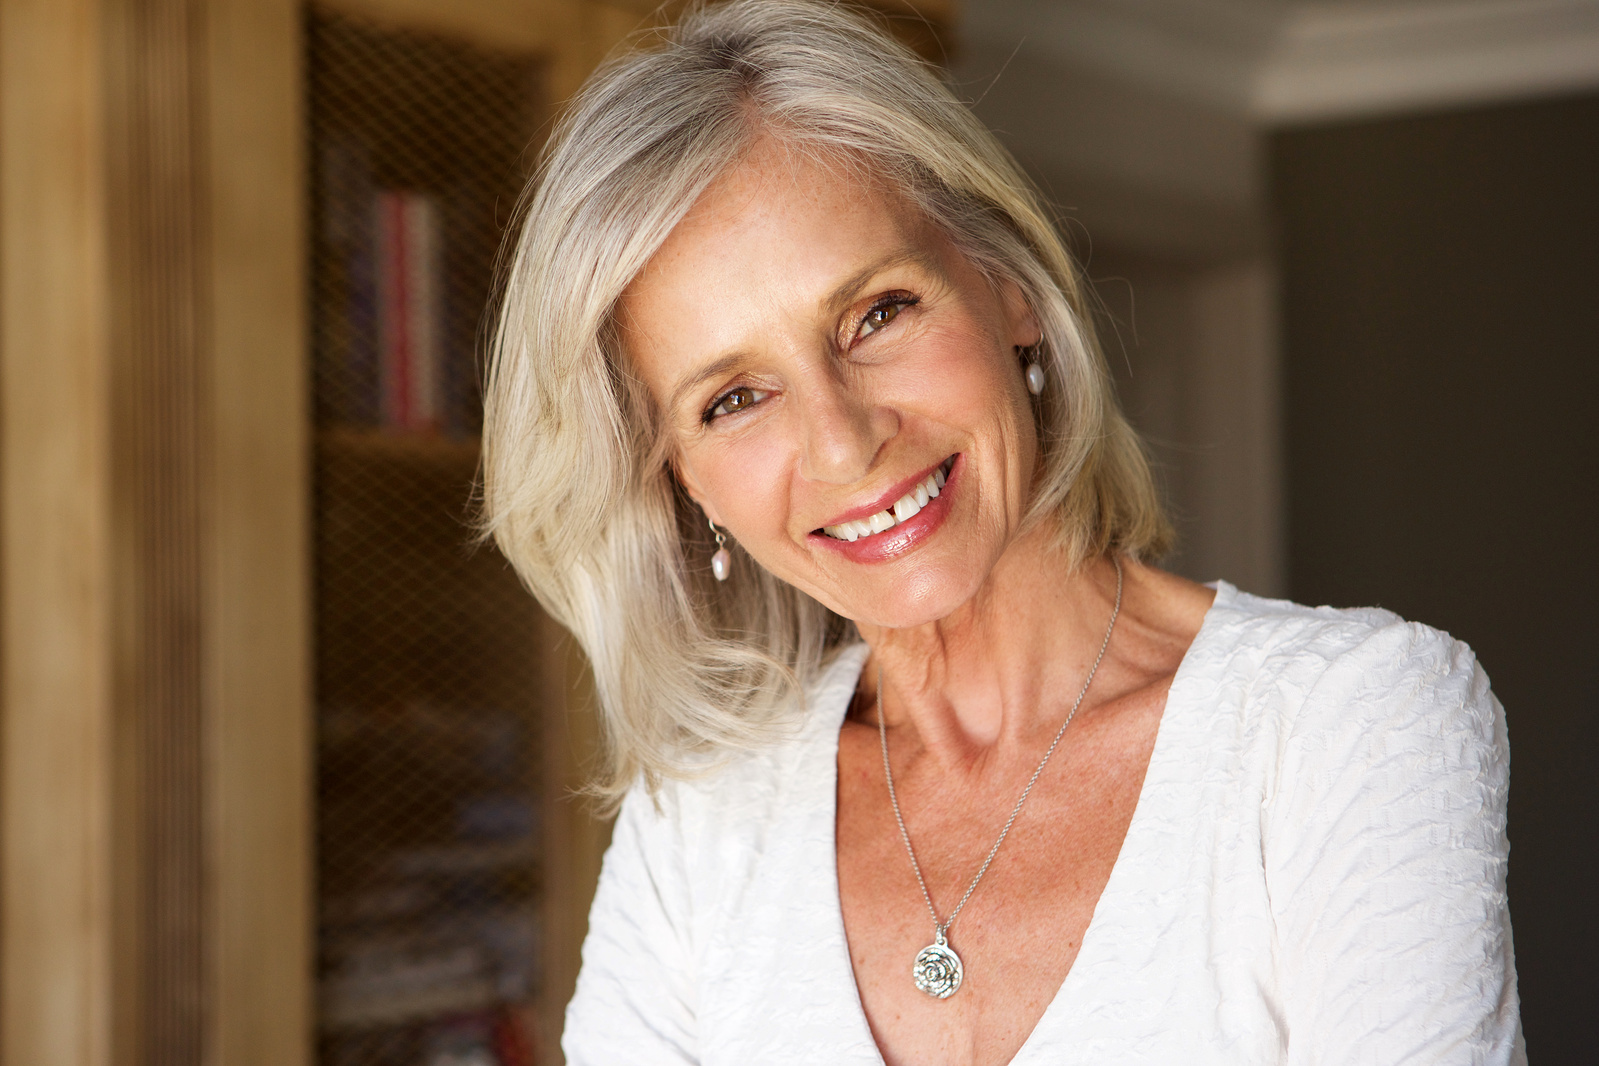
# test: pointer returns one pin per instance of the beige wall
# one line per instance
(1193, 348)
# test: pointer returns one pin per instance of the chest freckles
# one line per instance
(1022, 928)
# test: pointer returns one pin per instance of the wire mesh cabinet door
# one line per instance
(431, 684)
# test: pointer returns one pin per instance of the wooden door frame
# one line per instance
(69, 891)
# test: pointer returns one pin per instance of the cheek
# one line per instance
(964, 380)
(746, 483)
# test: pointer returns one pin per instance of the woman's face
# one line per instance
(818, 352)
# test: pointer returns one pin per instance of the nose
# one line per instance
(844, 430)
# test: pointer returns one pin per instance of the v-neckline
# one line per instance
(1155, 775)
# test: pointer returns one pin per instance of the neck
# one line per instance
(1002, 670)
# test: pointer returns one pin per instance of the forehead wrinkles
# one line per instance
(775, 169)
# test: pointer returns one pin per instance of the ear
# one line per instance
(1024, 330)
(685, 477)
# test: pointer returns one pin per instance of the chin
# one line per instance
(921, 598)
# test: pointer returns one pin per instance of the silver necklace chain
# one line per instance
(941, 929)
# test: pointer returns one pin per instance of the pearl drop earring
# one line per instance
(1036, 378)
(722, 560)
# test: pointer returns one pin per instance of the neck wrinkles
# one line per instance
(999, 674)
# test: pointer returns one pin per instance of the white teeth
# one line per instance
(906, 507)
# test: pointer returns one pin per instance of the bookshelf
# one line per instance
(430, 657)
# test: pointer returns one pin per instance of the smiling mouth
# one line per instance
(904, 509)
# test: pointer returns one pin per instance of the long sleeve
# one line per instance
(634, 1002)
(1386, 856)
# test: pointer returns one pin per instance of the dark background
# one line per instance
(1440, 317)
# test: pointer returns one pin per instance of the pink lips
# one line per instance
(887, 500)
(905, 535)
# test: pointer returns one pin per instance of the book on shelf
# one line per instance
(397, 269)
(409, 319)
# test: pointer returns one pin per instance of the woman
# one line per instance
(798, 423)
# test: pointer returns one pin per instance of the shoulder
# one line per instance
(699, 855)
(1359, 710)
(1361, 657)
(1358, 694)
(1383, 780)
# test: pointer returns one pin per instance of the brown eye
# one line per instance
(878, 317)
(884, 312)
(734, 400)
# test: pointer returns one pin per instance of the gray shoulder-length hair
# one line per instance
(578, 489)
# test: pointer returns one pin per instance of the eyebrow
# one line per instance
(702, 375)
(841, 295)
(846, 289)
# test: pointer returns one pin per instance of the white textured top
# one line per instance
(1314, 873)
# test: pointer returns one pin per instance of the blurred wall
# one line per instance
(1162, 192)
(1441, 342)
(1348, 290)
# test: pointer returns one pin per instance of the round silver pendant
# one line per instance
(938, 970)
